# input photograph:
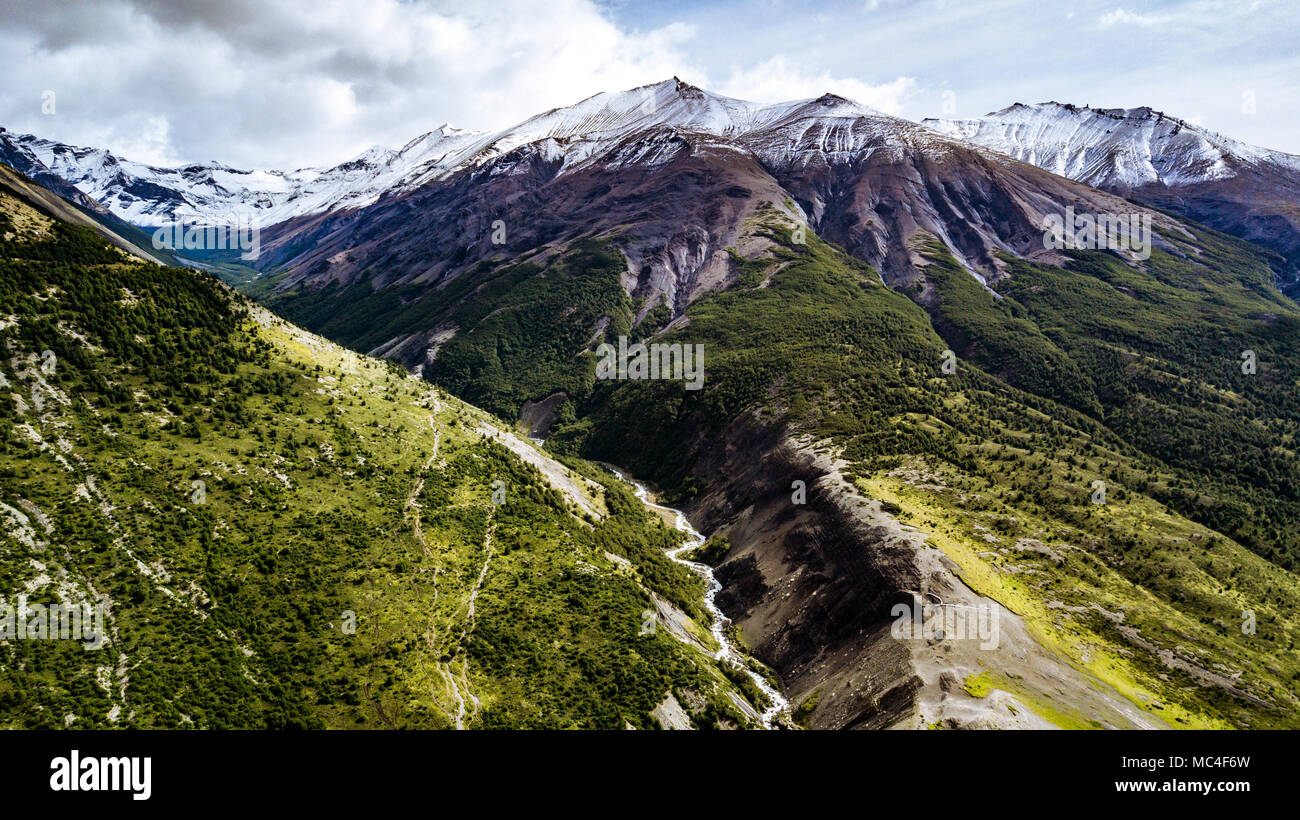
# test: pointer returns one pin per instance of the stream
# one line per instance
(728, 653)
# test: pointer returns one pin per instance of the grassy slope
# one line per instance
(229, 609)
(1155, 356)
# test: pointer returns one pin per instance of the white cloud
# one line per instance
(1124, 17)
(778, 79)
(308, 82)
(301, 82)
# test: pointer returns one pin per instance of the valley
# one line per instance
(910, 399)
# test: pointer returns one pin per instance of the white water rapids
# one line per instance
(727, 653)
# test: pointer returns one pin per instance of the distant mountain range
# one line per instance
(149, 196)
(804, 146)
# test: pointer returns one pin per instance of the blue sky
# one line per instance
(292, 83)
(1202, 60)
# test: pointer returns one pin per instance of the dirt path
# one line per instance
(478, 584)
(455, 687)
(458, 685)
(412, 509)
(452, 685)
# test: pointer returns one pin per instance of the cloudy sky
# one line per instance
(292, 83)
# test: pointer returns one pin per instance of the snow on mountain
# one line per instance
(646, 126)
(146, 195)
(597, 127)
(1112, 147)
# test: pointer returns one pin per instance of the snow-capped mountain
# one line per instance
(830, 127)
(774, 132)
(1151, 157)
(147, 195)
(674, 172)
(1113, 147)
(861, 178)
(1118, 150)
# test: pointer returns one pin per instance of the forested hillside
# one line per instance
(282, 533)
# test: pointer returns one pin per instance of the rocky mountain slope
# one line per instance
(1149, 156)
(868, 181)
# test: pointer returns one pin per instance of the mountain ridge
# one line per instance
(1193, 153)
(196, 188)
(1159, 160)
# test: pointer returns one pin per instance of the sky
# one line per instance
(299, 83)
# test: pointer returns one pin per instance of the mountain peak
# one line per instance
(1118, 148)
(685, 89)
(673, 83)
(830, 98)
(1144, 112)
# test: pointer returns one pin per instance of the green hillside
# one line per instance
(286, 534)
